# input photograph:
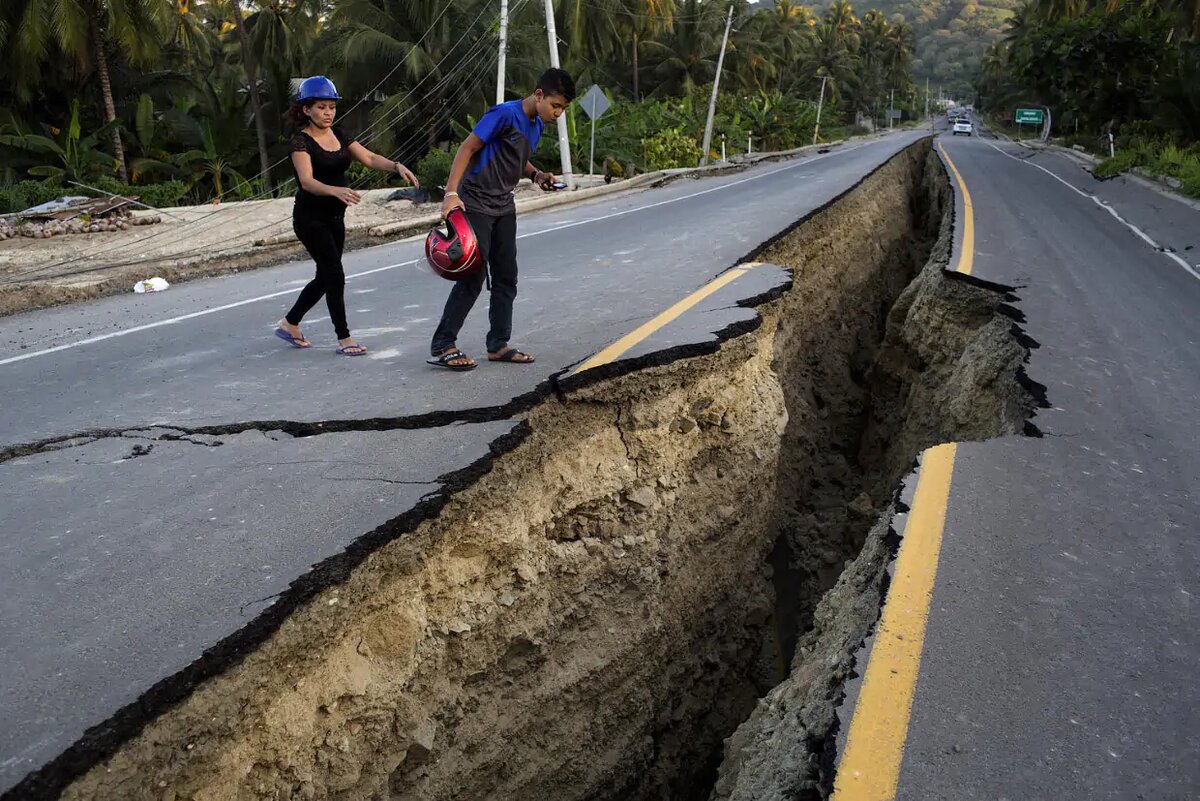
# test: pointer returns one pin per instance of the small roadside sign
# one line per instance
(894, 113)
(594, 102)
(1032, 116)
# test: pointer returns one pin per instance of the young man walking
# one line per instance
(486, 170)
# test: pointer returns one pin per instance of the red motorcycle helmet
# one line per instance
(454, 253)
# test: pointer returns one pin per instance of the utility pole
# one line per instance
(820, 103)
(503, 51)
(927, 116)
(712, 100)
(891, 105)
(564, 145)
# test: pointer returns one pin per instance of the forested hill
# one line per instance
(951, 36)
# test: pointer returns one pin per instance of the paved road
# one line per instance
(1063, 636)
(198, 538)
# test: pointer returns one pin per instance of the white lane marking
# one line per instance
(226, 307)
(1138, 231)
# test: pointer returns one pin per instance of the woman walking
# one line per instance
(321, 155)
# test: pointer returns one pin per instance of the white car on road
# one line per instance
(963, 125)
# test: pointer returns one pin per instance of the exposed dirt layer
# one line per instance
(594, 615)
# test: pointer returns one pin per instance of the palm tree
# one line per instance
(84, 31)
(252, 89)
(637, 19)
(829, 55)
(591, 35)
(897, 53)
(378, 43)
(840, 17)
(687, 55)
(873, 55)
(787, 27)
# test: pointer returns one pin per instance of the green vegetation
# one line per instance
(1130, 68)
(1160, 157)
(158, 92)
(950, 38)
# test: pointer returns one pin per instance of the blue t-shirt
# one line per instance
(509, 140)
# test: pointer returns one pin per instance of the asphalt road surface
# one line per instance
(125, 555)
(1063, 635)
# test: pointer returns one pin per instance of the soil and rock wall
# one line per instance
(600, 613)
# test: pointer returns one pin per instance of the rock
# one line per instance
(506, 599)
(862, 505)
(642, 496)
(410, 194)
(422, 742)
(683, 425)
(527, 573)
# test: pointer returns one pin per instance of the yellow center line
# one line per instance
(870, 767)
(966, 257)
(616, 349)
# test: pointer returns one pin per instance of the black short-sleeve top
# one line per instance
(329, 167)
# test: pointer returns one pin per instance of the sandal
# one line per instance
(352, 350)
(512, 355)
(445, 359)
(294, 341)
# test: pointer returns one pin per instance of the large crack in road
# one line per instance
(596, 608)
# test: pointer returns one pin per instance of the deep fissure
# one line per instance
(599, 615)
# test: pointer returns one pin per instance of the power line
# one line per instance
(364, 138)
(442, 117)
(361, 100)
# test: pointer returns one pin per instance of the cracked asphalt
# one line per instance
(1063, 636)
(132, 548)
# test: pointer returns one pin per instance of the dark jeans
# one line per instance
(497, 237)
(324, 237)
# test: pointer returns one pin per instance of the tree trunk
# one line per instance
(255, 104)
(110, 109)
(636, 95)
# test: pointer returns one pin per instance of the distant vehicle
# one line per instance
(963, 126)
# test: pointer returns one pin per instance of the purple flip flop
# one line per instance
(291, 340)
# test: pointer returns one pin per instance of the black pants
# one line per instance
(497, 237)
(324, 237)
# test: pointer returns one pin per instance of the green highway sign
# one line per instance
(1029, 115)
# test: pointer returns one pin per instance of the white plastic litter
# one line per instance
(154, 284)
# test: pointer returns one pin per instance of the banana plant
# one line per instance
(207, 165)
(66, 153)
(149, 135)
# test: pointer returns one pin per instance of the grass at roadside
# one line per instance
(1182, 164)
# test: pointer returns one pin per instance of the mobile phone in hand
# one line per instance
(558, 186)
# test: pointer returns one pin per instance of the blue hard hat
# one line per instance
(318, 87)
